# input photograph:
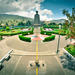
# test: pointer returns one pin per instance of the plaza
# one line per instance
(24, 52)
(37, 37)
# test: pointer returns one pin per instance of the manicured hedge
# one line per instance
(56, 31)
(52, 26)
(1, 37)
(28, 32)
(24, 33)
(48, 33)
(18, 32)
(27, 39)
(44, 32)
(9, 34)
(50, 38)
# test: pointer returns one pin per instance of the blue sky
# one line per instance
(48, 9)
(57, 6)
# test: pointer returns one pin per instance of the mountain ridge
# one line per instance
(17, 17)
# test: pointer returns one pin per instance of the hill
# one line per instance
(13, 17)
(58, 21)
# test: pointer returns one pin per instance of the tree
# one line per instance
(12, 24)
(28, 23)
(66, 25)
(0, 25)
(52, 23)
(43, 23)
(21, 24)
(6, 24)
(71, 20)
(4, 27)
(60, 24)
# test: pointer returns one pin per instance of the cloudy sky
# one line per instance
(48, 9)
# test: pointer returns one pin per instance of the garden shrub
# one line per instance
(10, 33)
(24, 33)
(71, 49)
(1, 37)
(45, 32)
(48, 33)
(28, 32)
(27, 39)
(7, 28)
(42, 32)
(50, 38)
(55, 31)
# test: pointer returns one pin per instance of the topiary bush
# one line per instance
(50, 38)
(27, 39)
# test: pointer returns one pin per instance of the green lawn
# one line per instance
(55, 31)
(71, 49)
(13, 32)
(10, 32)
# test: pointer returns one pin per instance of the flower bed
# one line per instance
(44, 32)
(71, 49)
(28, 32)
(48, 29)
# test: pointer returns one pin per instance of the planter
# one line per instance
(68, 54)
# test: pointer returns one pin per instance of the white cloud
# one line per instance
(31, 14)
(25, 8)
(61, 18)
(23, 13)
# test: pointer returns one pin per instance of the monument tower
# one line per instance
(36, 19)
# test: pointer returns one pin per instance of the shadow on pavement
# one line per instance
(67, 62)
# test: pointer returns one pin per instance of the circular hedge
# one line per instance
(27, 39)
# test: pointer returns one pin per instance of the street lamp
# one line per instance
(58, 41)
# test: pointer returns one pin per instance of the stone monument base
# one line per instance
(37, 25)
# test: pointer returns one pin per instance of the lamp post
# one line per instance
(58, 41)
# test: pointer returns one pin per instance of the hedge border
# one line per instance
(27, 39)
(51, 32)
(20, 32)
(50, 38)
